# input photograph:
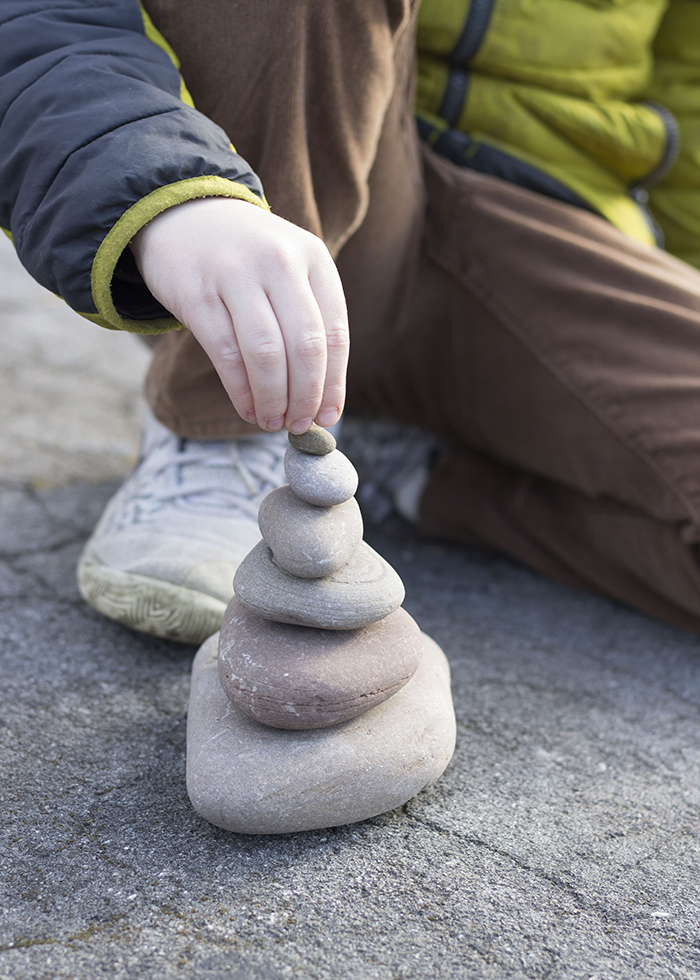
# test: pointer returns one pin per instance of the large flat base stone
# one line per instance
(252, 779)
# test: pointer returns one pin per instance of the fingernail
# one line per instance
(275, 424)
(328, 417)
(301, 425)
(252, 417)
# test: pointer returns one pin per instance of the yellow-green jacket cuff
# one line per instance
(129, 224)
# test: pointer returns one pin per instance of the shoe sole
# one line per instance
(149, 605)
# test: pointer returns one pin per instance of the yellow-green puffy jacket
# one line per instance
(575, 99)
(675, 201)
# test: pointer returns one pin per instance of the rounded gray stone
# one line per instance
(296, 677)
(315, 440)
(320, 480)
(308, 541)
(364, 590)
(252, 779)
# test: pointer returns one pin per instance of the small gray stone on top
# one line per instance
(320, 480)
(364, 590)
(309, 541)
(315, 440)
(252, 779)
(296, 677)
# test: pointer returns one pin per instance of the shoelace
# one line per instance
(385, 455)
(214, 478)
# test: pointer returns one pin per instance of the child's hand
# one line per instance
(263, 298)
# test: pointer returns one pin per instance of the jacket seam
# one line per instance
(83, 146)
(91, 54)
(74, 6)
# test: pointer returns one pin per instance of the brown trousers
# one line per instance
(561, 359)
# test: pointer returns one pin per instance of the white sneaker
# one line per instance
(393, 462)
(162, 557)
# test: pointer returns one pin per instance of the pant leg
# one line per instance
(563, 361)
(312, 94)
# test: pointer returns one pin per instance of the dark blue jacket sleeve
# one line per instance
(91, 125)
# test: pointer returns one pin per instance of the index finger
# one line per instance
(328, 290)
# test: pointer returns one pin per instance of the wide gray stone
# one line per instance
(308, 541)
(296, 677)
(252, 779)
(316, 441)
(320, 480)
(364, 590)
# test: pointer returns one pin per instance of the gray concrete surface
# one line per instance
(69, 391)
(562, 842)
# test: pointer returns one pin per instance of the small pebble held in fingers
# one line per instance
(315, 441)
(309, 541)
(320, 480)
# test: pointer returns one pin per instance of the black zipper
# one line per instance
(673, 145)
(638, 191)
(473, 32)
(465, 49)
(455, 94)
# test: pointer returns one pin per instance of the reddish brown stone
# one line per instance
(297, 677)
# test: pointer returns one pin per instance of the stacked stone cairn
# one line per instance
(313, 643)
(315, 635)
